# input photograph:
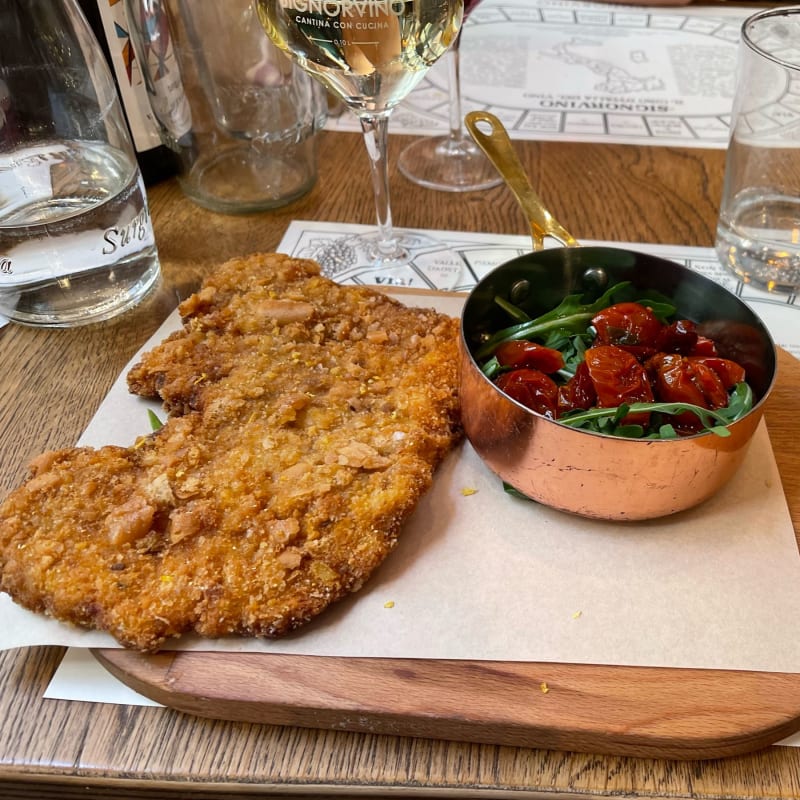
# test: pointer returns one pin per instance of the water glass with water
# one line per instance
(758, 234)
(76, 241)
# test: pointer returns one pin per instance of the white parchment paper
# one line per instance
(479, 574)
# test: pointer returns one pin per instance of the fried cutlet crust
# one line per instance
(306, 420)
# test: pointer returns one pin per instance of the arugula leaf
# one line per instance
(514, 492)
(492, 368)
(515, 312)
(740, 403)
(572, 347)
(570, 316)
(604, 420)
(665, 431)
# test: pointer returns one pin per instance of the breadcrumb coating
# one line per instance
(306, 420)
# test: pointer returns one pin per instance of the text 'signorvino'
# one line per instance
(369, 53)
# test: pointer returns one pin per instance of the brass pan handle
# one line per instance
(500, 151)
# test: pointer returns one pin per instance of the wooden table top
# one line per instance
(54, 380)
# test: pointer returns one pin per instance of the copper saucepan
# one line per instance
(580, 471)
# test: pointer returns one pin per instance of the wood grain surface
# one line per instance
(52, 382)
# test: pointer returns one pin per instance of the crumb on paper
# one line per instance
(389, 604)
(468, 490)
(544, 687)
(577, 615)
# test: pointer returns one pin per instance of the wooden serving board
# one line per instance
(637, 711)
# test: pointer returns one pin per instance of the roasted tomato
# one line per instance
(578, 392)
(677, 337)
(626, 324)
(618, 378)
(522, 353)
(532, 388)
(678, 379)
(641, 352)
(704, 347)
(730, 373)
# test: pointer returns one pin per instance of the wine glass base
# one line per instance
(351, 257)
(384, 255)
(448, 165)
(363, 251)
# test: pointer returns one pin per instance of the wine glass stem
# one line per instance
(375, 129)
(454, 82)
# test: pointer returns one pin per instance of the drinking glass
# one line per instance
(371, 55)
(758, 233)
(76, 240)
(451, 163)
(241, 117)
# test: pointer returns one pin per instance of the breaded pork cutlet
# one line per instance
(305, 422)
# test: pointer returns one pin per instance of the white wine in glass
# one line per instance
(451, 163)
(371, 54)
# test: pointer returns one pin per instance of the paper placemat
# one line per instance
(576, 71)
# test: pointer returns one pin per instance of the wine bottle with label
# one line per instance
(109, 22)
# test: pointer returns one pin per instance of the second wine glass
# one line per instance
(451, 163)
(371, 55)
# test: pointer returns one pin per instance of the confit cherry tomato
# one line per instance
(677, 337)
(704, 347)
(522, 353)
(578, 392)
(730, 373)
(681, 379)
(678, 379)
(618, 378)
(641, 352)
(626, 324)
(532, 388)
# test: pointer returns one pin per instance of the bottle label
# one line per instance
(129, 76)
(151, 93)
(159, 67)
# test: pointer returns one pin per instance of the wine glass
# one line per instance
(451, 163)
(371, 55)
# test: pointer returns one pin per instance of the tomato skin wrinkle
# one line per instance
(730, 373)
(532, 388)
(523, 353)
(673, 381)
(619, 379)
(627, 323)
(678, 379)
(578, 392)
(704, 347)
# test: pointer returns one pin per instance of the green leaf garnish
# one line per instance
(155, 422)
(570, 316)
(514, 492)
(604, 420)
